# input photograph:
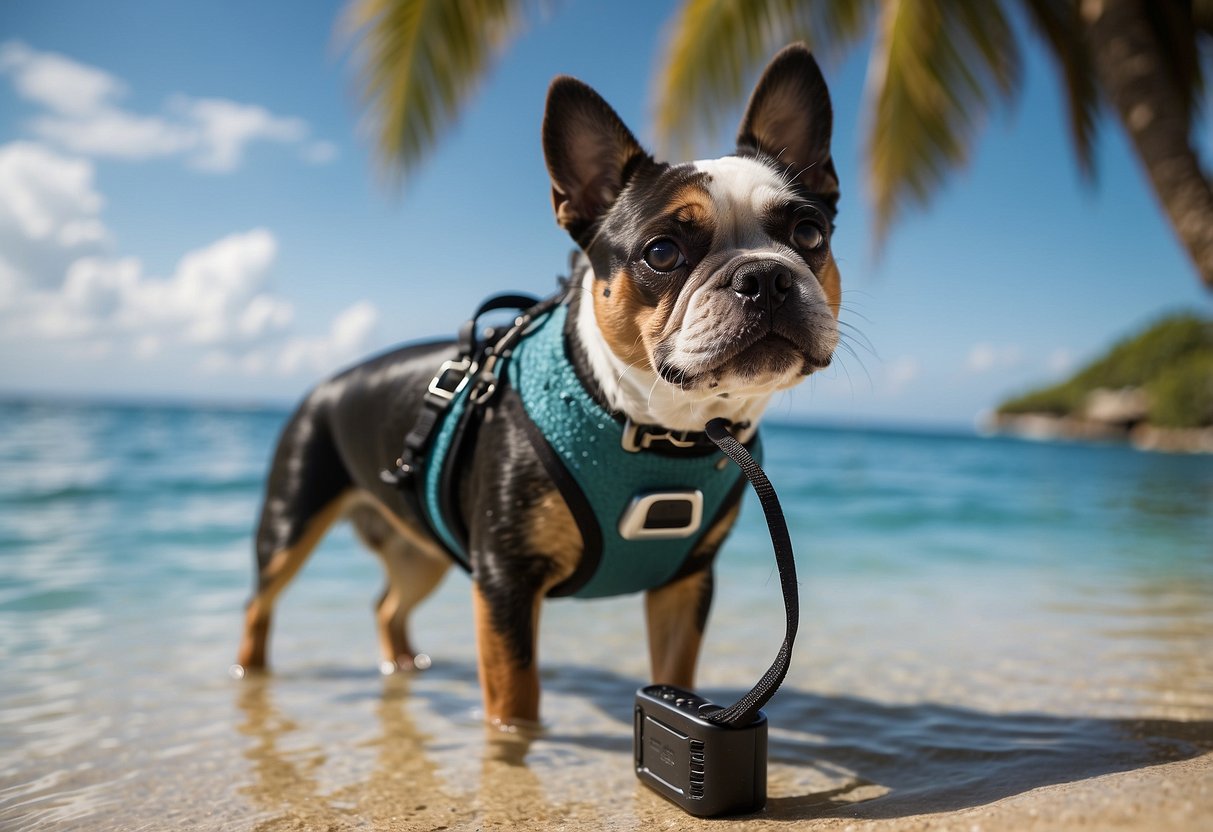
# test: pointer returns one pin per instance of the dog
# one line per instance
(700, 290)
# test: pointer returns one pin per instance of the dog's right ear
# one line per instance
(589, 151)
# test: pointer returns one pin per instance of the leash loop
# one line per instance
(744, 710)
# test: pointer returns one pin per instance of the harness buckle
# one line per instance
(486, 379)
(459, 370)
(662, 515)
(637, 438)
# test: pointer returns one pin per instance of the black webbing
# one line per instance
(743, 711)
(467, 334)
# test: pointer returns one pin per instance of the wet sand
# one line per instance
(326, 744)
(415, 771)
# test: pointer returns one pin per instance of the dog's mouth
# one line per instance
(771, 353)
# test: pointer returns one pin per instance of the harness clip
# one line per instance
(461, 368)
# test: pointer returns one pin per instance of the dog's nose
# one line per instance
(758, 279)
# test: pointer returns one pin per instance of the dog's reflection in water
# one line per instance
(293, 771)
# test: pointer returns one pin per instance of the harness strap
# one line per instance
(448, 383)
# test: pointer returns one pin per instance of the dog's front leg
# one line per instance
(677, 614)
(507, 626)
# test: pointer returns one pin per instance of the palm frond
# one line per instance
(1060, 26)
(937, 66)
(420, 60)
(1176, 26)
(718, 46)
(1202, 16)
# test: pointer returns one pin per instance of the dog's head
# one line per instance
(715, 277)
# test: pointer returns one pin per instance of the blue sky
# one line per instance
(189, 208)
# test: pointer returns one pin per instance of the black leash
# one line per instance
(707, 759)
(744, 710)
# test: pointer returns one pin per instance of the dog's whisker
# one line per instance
(862, 366)
(856, 336)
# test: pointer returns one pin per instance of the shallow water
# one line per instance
(980, 618)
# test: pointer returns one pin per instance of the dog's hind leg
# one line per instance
(413, 570)
(304, 495)
(677, 615)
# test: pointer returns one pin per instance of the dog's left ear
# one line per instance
(789, 118)
(590, 154)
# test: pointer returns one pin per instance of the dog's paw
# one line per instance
(404, 664)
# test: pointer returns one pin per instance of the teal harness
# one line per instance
(582, 447)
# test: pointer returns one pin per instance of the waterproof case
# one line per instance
(707, 769)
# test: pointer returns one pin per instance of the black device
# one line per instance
(705, 768)
(707, 759)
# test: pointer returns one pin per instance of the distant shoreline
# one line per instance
(1143, 437)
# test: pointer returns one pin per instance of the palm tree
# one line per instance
(935, 69)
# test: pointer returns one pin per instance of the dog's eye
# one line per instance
(807, 236)
(663, 256)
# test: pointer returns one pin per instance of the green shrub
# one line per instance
(1154, 359)
(1182, 396)
(1138, 360)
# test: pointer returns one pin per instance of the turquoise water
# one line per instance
(981, 617)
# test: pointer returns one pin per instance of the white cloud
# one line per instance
(115, 134)
(216, 296)
(215, 288)
(59, 286)
(984, 357)
(81, 232)
(901, 372)
(49, 214)
(94, 296)
(82, 115)
(42, 192)
(62, 288)
(56, 82)
(349, 336)
(223, 129)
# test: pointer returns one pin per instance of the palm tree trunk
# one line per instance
(1129, 64)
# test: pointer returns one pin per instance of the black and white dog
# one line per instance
(705, 288)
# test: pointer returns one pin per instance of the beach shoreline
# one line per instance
(994, 635)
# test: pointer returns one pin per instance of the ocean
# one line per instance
(981, 617)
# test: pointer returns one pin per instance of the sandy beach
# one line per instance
(324, 743)
(279, 767)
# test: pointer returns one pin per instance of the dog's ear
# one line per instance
(589, 151)
(789, 119)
